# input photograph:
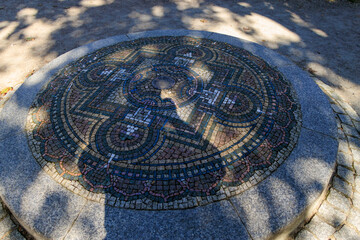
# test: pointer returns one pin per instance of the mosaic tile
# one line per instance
(164, 123)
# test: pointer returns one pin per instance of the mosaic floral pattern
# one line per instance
(163, 123)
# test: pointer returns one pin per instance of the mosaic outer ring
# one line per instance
(61, 167)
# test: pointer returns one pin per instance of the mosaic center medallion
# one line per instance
(163, 123)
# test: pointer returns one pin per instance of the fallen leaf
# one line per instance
(31, 73)
(5, 91)
(312, 71)
(28, 39)
(203, 20)
(246, 28)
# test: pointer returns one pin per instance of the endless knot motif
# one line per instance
(163, 123)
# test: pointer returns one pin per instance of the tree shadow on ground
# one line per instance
(304, 31)
(293, 31)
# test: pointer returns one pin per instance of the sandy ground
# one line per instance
(319, 36)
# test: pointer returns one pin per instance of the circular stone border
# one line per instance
(275, 206)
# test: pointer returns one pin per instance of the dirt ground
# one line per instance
(321, 37)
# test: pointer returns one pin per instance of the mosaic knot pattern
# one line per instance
(163, 123)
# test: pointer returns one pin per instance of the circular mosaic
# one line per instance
(163, 123)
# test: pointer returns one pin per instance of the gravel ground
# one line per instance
(319, 36)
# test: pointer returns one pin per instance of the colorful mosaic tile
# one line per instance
(163, 123)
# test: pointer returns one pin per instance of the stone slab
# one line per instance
(6, 225)
(2, 212)
(14, 235)
(41, 205)
(331, 215)
(347, 233)
(338, 200)
(354, 218)
(213, 221)
(287, 193)
(345, 119)
(342, 186)
(321, 229)
(345, 159)
(357, 167)
(305, 235)
(346, 174)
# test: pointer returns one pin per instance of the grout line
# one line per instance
(210, 33)
(241, 220)
(324, 134)
(73, 223)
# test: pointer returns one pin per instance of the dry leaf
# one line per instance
(312, 71)
(28, 39)
(5, 91)
(31, 73)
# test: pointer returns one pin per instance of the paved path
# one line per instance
(339, 215)
(8, 229)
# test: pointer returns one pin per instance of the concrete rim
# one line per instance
(274, 206)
